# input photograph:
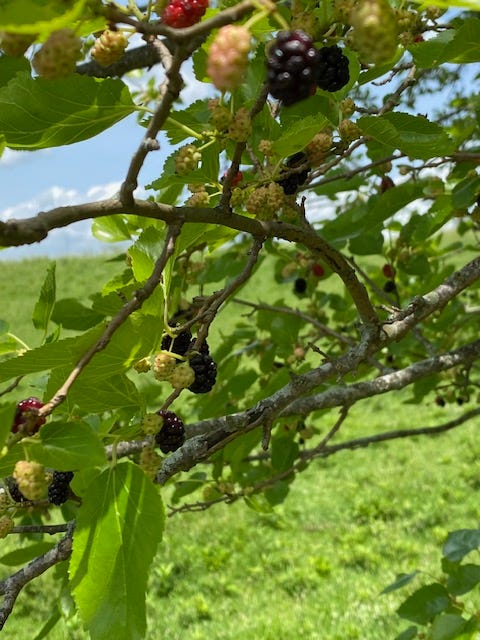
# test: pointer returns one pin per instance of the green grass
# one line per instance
(314, 568)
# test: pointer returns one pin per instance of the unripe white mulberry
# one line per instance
(109, 47)
(182, 376)
(228, 57)
(15, 44)
(31, 480)
(163, 366)
(58, 55)
(6, 525)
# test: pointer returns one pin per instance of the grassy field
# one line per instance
(314, 568)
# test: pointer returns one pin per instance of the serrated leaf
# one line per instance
(465, 192)
(72, 314)
(400, 581)
(60, 112)
(115, 391)
(119, 526)
(9, 67)
(298, 134)
(415, 136)
(32, 16)
(423, 605)
(66, 446)
(145, 252)
(459, 543)
(44, 305)
(463, 579)
(111, 229)
(48, 356)
(447, 627)
(22, 556)
(194, 117)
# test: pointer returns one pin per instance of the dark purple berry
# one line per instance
(440, 401)
(59, 488)
(172, 434)
(204, 348)
(14, 491)
(25, 414)
(331, 69)
(179, 344)
(295, 179)
(291, 67)
(389, 286)
(205, 371)
(300, 285)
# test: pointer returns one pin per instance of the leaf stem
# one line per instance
(185, 128)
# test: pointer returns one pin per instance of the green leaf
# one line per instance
(465, 192)
(284, 451)
(119, 526)
(298, 134)
(115, 391)
(34, 16)
(54, 618)
(423, 605)
(44, 305)
(9, 67)
(111, 229)
(400, 581)
(60, 112)
(459, 543)
(146, 251)
(48, 356)
(22, 556)
(463, 579)
(415, 136)
(66, 446)
(463, 48)
(72, 314)
(447, 627)
(195, 117)
(408, 634)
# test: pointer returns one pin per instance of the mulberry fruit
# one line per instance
(109, 47)
(15, 44)
(59, 488)
(6, 525)
(30, 477)
(58, 55)
(183, 13)
(179, 344)
(172, 434)
(291, 183)
(14, 491)
(26, 418)
(291, 67)
(300, 285)
(163, 366)
(374, 30)
(187, 159)
(331, 69)
(228, 57)
(205, 371)
(182, 376)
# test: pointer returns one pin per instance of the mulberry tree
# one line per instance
(297, 254)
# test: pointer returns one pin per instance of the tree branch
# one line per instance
(11, 586)
(132, 305)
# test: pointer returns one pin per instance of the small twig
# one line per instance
(133, 305)
(13, 385)
(51, 529)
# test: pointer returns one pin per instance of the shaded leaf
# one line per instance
(447, 627)
(44, 305)
(463, 578)
(66, 446)
(423, 605)
(400, 581)
(60, 112)
(119, 526)
(72, 314)
(22, 556)
(459, 543)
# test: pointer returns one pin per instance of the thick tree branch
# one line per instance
(143, 57)
(11, 586)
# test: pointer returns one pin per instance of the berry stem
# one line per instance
(184, 127)
(132, 6)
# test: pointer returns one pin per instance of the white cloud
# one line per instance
(76, 239)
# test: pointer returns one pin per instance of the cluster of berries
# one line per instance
(29, 482)
(198, 374)
(295, 67)
(296, 173)
(179, 14)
